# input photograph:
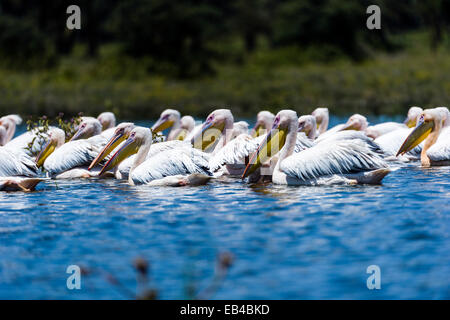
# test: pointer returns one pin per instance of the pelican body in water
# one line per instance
(18, 172)
(175, 167)
(70, 160)
(346, 161)
(433, 127)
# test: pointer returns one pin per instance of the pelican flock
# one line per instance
(285, 148)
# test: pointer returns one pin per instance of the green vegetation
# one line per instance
(387, 84)
(137, 57)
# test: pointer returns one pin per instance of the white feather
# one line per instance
(440, 150)
(328, 159)
(16, 164)
(181, 161)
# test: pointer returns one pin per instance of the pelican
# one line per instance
(30, 142)
(240, 127)
(307, 124)
(88, 127)
(18, 172)
(187, 124)
(176, 167)
(432, 128)
(121, 133)
(322, 117)
(381, 129)
(264, 120)
(342, 162)
(355, 122)
(107, 120)
(10, 122)
(71, 160)
(391, 142)
(411, 118)
(216, 137)
(169, 118)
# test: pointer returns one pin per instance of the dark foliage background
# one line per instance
(136, 57)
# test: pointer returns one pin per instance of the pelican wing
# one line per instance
(391, 142)
(182, 161)
(332, 131)
(73, 154)
(30, 142)
(350, 135)
(125, 166)
(16, 164)
(386, 127)
(327, 159)
(303, 142)
(234, 152)
(440, 151)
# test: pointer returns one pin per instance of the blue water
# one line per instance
(287, 242)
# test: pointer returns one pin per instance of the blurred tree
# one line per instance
(435, 14)
(171, 31)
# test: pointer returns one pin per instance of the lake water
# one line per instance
(287, 242)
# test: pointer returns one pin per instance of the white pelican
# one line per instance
(322, 117)
(308, 125)
(88, 127)
(169, 118)
(348, 161)
(355, 122)
(230, 155)
(264, 120)
(216, 137)
(18, 172)
(176, 167)
(107, 120)
(121, 134)
(381, 129)
(240, 127)
(411, 118)
(69, 160)
(29, 142)
(215, 132)
(10, 122)
(432, 128)
(187, 124)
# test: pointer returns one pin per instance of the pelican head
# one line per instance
(264, 120)
(187, 124)
(10, 122)
(107, 120)
(212, 128)
(168, 118)
(307, 124)
(430, 120)
(356, 122)
(239, 128)
(285, 121)
(322, 116)
(121, 133)
(138, 137)
(56, 138)
(88, 127)
(411, 118)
